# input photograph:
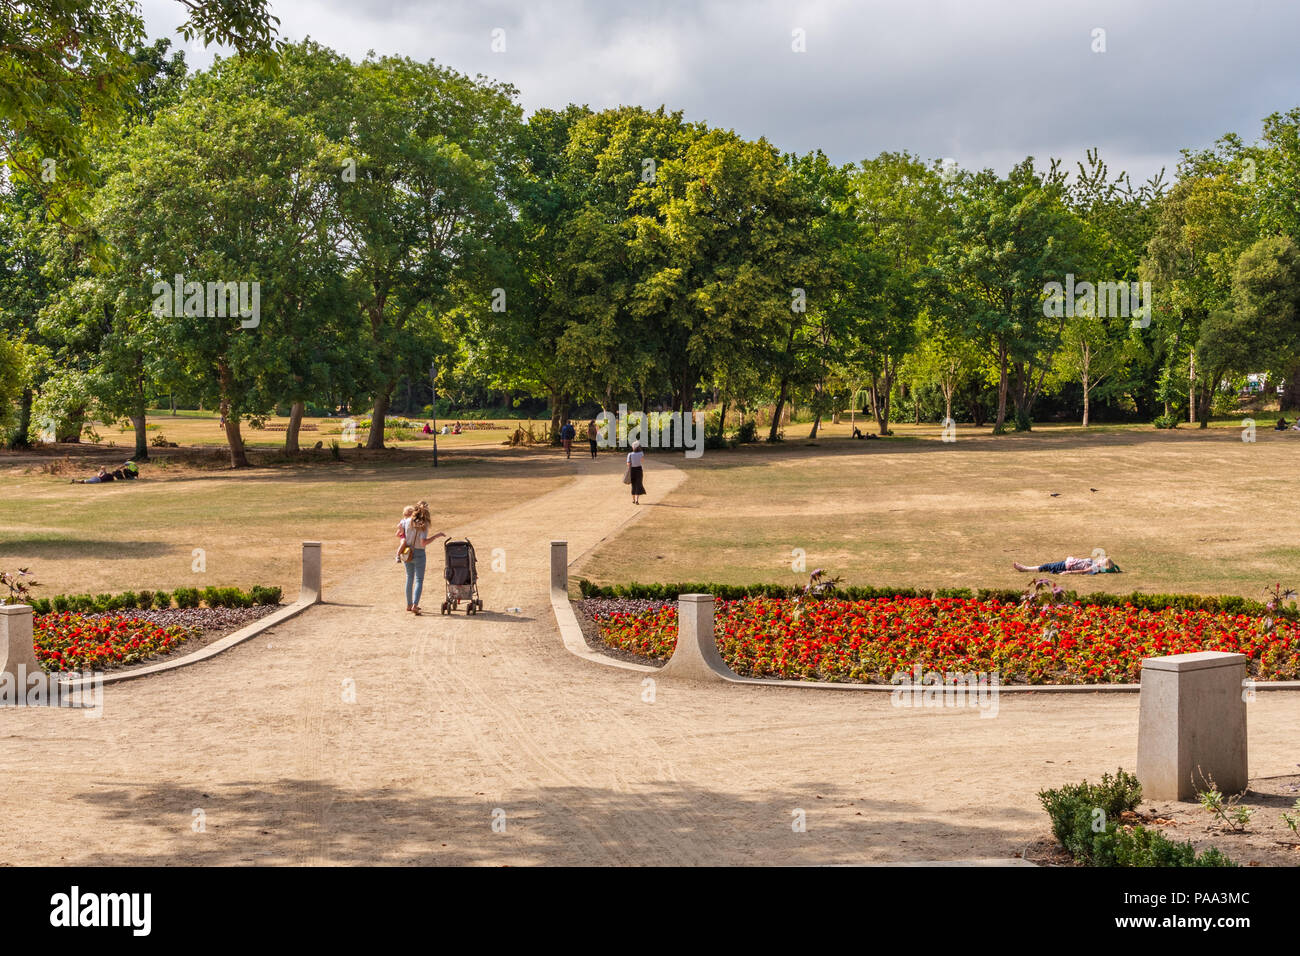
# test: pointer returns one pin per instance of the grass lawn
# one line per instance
(1187, 510)
(142, 534)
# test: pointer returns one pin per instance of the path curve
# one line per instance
(357, 733)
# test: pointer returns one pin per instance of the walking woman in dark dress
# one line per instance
(634, 467)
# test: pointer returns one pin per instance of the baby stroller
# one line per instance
(461, 574)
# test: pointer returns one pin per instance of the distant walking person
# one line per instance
(593, 436)
(635, 473)
(566, 436)
(415, 532)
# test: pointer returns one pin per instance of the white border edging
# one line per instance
(309, 594)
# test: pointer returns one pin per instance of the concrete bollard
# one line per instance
(560, 566)
(696, 656)
(311, 568)
(1192, 725)
(16, 644)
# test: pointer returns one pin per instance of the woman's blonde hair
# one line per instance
(421, 516)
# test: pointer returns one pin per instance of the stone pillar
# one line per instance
(311, 566)
(1192, 725)
(560, 566)
(17, 649)
(696, 656)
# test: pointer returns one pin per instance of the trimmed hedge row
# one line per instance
(1225, 604)
(161, 600)
(1085, 821)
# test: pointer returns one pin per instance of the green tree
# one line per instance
(69, 70)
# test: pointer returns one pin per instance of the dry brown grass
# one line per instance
(1178, 511)
(249, 524)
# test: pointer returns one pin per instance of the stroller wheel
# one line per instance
(479, 602)
(469, 608)
(444, 607)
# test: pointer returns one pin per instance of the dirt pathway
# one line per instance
(359, 734)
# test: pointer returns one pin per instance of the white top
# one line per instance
(415, 537)
(634, 458)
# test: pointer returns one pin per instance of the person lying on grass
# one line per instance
(128, 472)
(1072, 566)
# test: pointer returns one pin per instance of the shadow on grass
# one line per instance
(293, 820)
(73, 546)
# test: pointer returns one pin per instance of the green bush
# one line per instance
(103, 602)
(747, 433)
(1073, 808)
(263, 595)
(162, 600)
(144, 600)
(1167, 421)
(128, 600)
(60, 603)
(40, 605)
(1229, 604)
(186, 597)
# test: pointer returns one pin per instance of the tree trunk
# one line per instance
(1086, 389)
(555, 417)
(776, 411)
(817, 420)
(1191, 388)
(238, 459)
(722, 422)
(1290, 397)
(141, 436)
(383, 400)
(20, 439)
(1002, 388)
(291, 433)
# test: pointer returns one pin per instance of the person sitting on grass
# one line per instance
(1072, 566)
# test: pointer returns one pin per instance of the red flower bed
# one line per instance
(870, 641)
(68, 641)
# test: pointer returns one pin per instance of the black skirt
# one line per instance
(637, 487)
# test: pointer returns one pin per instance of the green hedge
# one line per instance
(1073, 810)
(145, 600)
(1228, 603)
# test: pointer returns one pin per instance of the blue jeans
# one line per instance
(414, 577)
(1055, 567)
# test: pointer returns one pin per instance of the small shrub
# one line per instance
(212, 597)
(335, 451)
(1167, 421)
(144, 600)
(128, 600)
(162, 600)
(1073, 812)
(186, 597)
(261, 595)
(747, 433)
(103, 602)
(40, 605)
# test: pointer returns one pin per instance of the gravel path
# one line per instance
(358, 733)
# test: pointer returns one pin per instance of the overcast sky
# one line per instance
(985, 82)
